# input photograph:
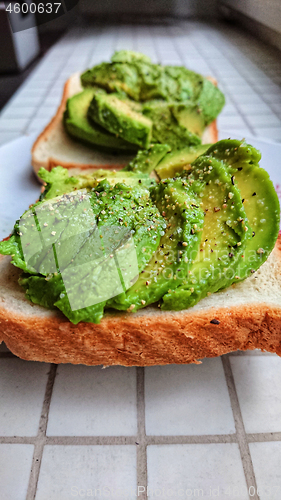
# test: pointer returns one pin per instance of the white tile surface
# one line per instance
(67, 470)
(266, 459)
(188, 399)
(15, 465)
(22, 390)
(196, 470)
(258, 382)
(273, 133)
(90, 401)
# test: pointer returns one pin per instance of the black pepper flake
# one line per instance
(162, 246)
(180, 243)
(192, 231)
(254, 193)
(239, 169)
(215, 321)
(139, 181)
(231, 254)
(232, 180)
(243, 200)
(253, 234)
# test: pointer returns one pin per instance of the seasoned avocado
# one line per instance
(79, 127)
(189, 116)
(129, 56)
(59, 182)
(178, 245)
(142, 80)
(175, 162)
(166, 128)
(224, 234)
(121, 119)
(148, 159)
(78, 231)
(210, 101)
(259, 197)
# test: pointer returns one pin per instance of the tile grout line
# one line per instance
(149, 440)
(41, 436)
(141, 443)
(240, 429)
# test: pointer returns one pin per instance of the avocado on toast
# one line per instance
(147, 272)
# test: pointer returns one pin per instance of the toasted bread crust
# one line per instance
(210, 136)
(148, 337)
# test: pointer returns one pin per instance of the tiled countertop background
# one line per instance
(212, 430)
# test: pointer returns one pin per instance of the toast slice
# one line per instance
(54, 146)
(245, 316)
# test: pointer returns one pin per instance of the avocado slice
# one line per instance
(59, 182)
(147, 160)
(189, 116)
(210, 101)
(129, 56)
(119, 117)
(180, 241)
(166, 129)
(224, 235)
(78, 126)
(259, 197)
(134, 74)
(175, 162)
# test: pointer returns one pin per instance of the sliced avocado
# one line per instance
(148, 159)
(177, 161)
(78, 126)
(59, 182)
(210, 101)
(259, 197)
(189, 116)
(129, 56)
(224, 235)
(166, 128)
(178, 245)
(114, 77)
(119, 117)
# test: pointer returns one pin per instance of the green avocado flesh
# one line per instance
(78, 125)
(120, 240)
(130, 103)
(119, 118)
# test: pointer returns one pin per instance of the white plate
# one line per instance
(19, 186)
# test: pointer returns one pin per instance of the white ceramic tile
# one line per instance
(38, 124)
(15, 465)
(8, 136)
(272, 98)
(266, 458)
(273, 133)
(263, 120)
(247, 99)
(13, 125)
(258, 382)
(187, 399)
(92, 471)
(231, 121)
(196, 470)
(22, 390)
(91, 401)
(11, 112)
(253, 109)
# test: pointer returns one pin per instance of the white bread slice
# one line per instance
(249, 315)
(54, 146)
